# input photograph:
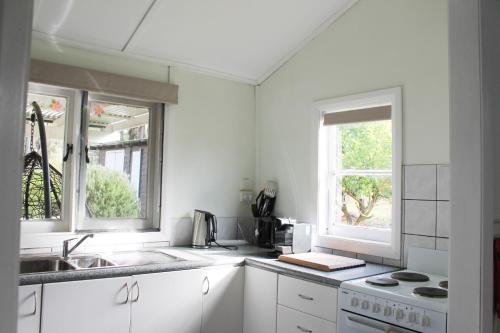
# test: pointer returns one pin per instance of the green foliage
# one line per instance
(366, 146)
(109, 194)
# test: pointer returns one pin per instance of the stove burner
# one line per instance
(382, 282)
(431, 292)
(410, 277)
(443, 284)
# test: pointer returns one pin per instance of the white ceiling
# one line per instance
(244, 40)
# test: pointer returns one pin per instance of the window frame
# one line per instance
(73, 98)
(155, 147)
(391, 249)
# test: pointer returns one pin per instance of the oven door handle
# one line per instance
(373, 326)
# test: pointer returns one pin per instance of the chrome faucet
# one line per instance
(66, 251)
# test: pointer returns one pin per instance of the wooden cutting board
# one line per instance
(321, 261)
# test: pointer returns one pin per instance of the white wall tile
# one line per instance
(370, 258)
(420, 217)
(416, 241)
(322, 250)
(181, 231)
(226, 228)
(443, 182)
(155, 244)
(344, 253)
(442, 244)
(443, 219)
(420, 182)
(391, 262)
(36, 250)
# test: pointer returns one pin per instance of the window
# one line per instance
(103, 152)
(122, 146)
(360, 173)
(56, 105)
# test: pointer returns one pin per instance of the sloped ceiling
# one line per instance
(245, 40)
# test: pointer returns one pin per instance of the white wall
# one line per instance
(15, 32)
(210, 134)
(376, 44)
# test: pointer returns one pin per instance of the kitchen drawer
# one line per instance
(292, 321)
(308, 297)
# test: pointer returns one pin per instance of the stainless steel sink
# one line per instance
(44, 264)
(89, 262)
(41, 264)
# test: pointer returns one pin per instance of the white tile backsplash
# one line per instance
(344, 253)
(370, 258)
(443, 219)
(443, 182)
(442, 244)
(226, 228)
(420, 182)
(391, 262)
(322, 250)
(420, 217)
(416, 241)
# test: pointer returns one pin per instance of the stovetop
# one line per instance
(404, 291)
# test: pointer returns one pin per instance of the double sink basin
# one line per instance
(51, 263)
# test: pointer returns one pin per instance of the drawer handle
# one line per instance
(303, 329)
(308, 298)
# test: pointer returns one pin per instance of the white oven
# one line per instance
(353, 323)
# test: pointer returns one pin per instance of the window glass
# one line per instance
(361, 163)
(53, 113)
(117, 173)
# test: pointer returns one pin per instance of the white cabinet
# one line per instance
(223, 300)
(261, 289)
(166, 302)
(28, 317)
(97, 306)
(295, 321)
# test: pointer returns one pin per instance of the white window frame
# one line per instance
(352, 239)
(73, 98)
(152, 220)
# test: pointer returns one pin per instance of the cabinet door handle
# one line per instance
(36, 303)
(128, 292)
(308, 298)
(207, 281)
(138, 291)
(300, 328)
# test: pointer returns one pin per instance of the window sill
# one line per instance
(386, 250)
(106, 238)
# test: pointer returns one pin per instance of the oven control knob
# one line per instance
(365, 305)
(400, 314)
(354, 302)
(376, 308)
(426, 321)
(387, 311)
(412, 317)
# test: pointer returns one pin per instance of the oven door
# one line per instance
(353, 323)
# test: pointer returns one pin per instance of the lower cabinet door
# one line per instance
(259, 311)
(28, 316)
(223, 300)
(90, 306)
(292, 321)
(167, 302)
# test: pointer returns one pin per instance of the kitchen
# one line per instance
(190, 121)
